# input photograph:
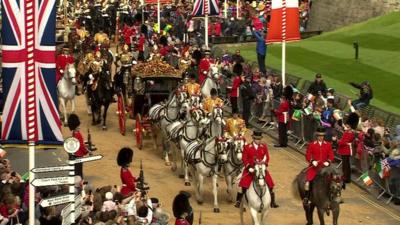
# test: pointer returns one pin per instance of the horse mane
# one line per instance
(328, 171)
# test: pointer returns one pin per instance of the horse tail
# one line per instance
(295, 188)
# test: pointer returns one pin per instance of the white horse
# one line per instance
(164, 114)
(66, 90)
(234, 164)
(257, 198)
(186, 132)
(216, 122)
(210, 82)
(205, 158)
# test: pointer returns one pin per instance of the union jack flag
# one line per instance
(205, 7)
(28, 34)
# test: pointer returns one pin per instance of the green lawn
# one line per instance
(332, 54)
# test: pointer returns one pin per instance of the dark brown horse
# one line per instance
(324, 194)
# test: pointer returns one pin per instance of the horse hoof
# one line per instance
(104, 128)
(188, 184)
(168, 163)
(173, 168)
(200, 202)
(216, 210)
(181, 176)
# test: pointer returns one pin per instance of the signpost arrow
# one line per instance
(52, 181)
(88, 159)
(66, 210)
(52, 169)
(58, 200)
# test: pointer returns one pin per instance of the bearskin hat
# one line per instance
(288, 92)
(125, 156)
(197, 55)
(237, 69)
(353, 120)
(73, 121)
(144, 29)
(181, 204)
(163, 40)
(213, 92)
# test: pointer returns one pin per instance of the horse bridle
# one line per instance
(257, 178)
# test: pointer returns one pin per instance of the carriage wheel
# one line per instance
(139, 131)
(121, 114)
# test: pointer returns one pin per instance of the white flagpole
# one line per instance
(31, 187)
(158, 16)
(283, 43)
(206, 29)
(226, 9)
(237, 9)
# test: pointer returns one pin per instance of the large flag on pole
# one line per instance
(28, 62)
(205, 7)
(284, 23)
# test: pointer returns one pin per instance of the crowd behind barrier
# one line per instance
(302, 127)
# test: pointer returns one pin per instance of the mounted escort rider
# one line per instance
(123, 79)
(320, 155)
(62, 61)
(235, 126)
(252, 152)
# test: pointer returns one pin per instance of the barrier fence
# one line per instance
(302, 131)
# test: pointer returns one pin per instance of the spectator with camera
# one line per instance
(318, 87)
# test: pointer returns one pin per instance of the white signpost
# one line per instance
(74, 209)
(40, 182)
(52, 169)
(88, 159)
(58, 200)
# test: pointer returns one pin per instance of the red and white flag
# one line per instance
(284, 23)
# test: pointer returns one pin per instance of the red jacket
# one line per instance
(181, 222)
(164, 51)
(128, 182)
(345, 143)
(218, 29)
(82, 151)
(321, 153)
(283, 108)
(142, 40)
(210, 29)
(249, 154)
(128, 32)
(235, 87)
(203, 66)
(61, 62)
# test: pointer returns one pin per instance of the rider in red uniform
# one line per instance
(124, 159)
(252, 152)
(319, 154)
(204, 66)
(62, 61)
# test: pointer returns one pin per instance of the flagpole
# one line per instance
(226, 9)
(237, 9)
(158, 16)
(206, 29)
(283, 43)
(283, 63)
(31, 187)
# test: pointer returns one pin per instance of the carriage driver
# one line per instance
(319, 154)
(251, 152)
(62, 61)
(235, 126)
(192, 88)
(212, 101)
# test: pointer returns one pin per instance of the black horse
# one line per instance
(324, 194)
(100, 94)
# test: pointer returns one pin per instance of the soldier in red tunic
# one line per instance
(319, 154)
(204, 66)
(124, 159)
(73, 125)
(345, 145)
(182, 210)
(252, 152)
(62, 61)
(282, 114)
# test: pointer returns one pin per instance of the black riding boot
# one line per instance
(273, 203)
(239, 198)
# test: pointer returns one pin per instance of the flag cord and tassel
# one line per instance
(283, 43)
(158, 16)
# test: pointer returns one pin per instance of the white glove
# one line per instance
(326, 163)
(315, 163)
(251, 170)
(61, 71)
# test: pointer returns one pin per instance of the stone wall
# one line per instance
(328, 15)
